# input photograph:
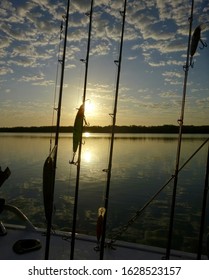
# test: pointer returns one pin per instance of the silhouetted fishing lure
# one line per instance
(4, 175)
(77, 130)
(196, 38)
(48, 183)
(101, 213)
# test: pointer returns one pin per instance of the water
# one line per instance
(142, 163)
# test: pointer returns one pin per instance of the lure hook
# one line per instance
(204, 44)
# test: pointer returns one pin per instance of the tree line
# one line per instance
(204, 129)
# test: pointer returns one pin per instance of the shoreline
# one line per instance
(170, 129)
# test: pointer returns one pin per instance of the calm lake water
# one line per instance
(142, 163)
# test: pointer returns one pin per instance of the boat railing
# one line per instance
(18, 213)
(7, 207)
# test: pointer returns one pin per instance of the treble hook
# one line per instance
(204, 44)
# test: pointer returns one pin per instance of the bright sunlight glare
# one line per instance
(86, 134)
(87, 156)
(89, 107)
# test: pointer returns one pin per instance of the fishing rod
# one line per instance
(118, 63)
(180, 122)
(204, 205)
(79, 135)
(49, 171)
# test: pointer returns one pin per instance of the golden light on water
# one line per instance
(87, 156)
(86, 134)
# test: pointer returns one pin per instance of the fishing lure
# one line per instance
(101, 213)
(77, 131)
(196, 38)
(48, 183)
(4, 175)
(99, 228)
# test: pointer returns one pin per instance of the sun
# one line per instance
(89, 107)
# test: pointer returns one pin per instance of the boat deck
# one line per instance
(84, 248)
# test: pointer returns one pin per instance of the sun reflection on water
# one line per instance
(86, 134)
(87, 156)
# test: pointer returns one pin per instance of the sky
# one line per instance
(152, 75)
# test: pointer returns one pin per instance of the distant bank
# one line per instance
(107, 129)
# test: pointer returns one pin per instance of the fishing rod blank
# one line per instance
(178, 153)
(112, 136)
(78, 163)
(51, 161)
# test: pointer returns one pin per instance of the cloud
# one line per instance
(24, 62)
(174, 62)
(132, 57)
(55, 9)
(172, 77)
(6, 70)
(139, 105)
(37, 80)
(176, 10)
(77, 35)
(101, 90)
(44, 83)
(155, 43)
(80, 6)
(101, 48)
(156, 64)
(32, 113)
(172, 74)
(203, 102)
(24, 10)
(41, 28)
(165, 46)
(23, 50)
(113, 31)
(168, 94)
(32, 78)
(6, 7)
(11, 32)
(4, 42)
